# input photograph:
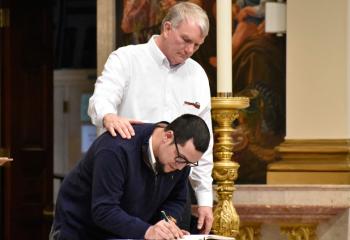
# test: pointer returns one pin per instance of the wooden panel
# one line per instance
(26, 126)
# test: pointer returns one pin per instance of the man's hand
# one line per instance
(115, 124)
(245, 12)
(164, 230)
(205, 219)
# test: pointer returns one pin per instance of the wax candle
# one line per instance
(224, 45)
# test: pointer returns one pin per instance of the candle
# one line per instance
(224, 46)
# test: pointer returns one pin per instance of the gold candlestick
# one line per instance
(224, 111)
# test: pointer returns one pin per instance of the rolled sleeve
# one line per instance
(201, 176)
(109, 87)
(201, 180)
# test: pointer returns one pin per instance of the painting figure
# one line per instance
(249, 20)
(142, 18)
(258, 66)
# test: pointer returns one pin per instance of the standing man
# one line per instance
(131, 188)
(158, 80)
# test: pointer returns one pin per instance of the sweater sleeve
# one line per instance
(174, 205)
(107, 190)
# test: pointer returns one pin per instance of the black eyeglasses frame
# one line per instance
(181, 159)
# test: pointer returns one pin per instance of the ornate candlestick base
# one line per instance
(224, 112)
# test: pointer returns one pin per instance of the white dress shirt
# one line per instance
(138, 83)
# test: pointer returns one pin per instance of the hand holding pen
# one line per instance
(172, 220)
(165, 217)
(165, 229)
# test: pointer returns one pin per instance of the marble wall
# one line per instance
(292, 211)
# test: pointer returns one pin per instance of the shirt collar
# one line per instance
(151, 157)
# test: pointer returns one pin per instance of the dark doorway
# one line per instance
(26, 118)
(74, 23)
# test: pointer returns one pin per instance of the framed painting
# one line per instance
(258, 66)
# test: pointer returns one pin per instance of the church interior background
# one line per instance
(292, 142)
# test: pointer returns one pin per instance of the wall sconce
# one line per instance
(275, 18)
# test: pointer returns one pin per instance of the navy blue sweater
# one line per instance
(113, 192)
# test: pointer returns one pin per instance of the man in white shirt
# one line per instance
(159, 81)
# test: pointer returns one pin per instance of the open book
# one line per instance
(206, 237)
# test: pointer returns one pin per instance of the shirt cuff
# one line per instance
(204, 199)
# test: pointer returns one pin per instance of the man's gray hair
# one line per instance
(187, 11)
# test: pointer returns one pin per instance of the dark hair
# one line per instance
(189, 126)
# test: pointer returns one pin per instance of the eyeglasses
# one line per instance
(181, 159)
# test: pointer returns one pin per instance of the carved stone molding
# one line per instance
(295, 207)
(309, 161)
(284, 214)
(249, 232)
(300, 232)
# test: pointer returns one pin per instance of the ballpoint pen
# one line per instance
(166, 218)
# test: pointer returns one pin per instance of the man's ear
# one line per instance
(168, 135)
(167, 28)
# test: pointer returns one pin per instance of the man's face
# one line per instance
(173, 157)
(182, 42)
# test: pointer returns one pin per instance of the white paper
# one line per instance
(206, 237)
